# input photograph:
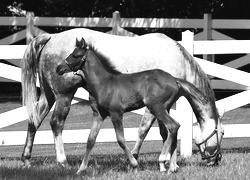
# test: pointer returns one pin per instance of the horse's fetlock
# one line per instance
(134, 163)
(141, 134)
(121, 143)
(162, 159)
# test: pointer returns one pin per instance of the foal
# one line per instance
(113, 93)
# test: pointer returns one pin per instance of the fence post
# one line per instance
(208, 34)
(186, 114)
(30, 27)
(116, 22)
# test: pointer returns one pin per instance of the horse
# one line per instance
(114, 93)
(128, 54)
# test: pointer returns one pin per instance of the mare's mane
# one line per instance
(201, 78)
(105, 61)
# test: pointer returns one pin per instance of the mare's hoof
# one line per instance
(171, 169)
(64, 165)
(135, 156)
(26, 164)
(83, 172)
(174, 169)
(133, 169)
(89, 172)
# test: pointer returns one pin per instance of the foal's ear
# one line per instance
(80, 43)
(83, 43)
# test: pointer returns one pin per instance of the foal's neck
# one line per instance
(96, 72)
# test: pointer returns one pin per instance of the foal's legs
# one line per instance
(98, 117)
(164, 135)
(171, 142)
(146, 123)
(44, 105)
(119, 130)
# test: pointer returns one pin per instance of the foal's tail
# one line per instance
(189, 91)
(29, 66)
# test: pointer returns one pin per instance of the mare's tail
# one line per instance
(189, 91)
(29, 65)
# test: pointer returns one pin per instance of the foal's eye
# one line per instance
(77, 55)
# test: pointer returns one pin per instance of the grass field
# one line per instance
(108, 160)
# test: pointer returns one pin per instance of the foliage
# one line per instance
(129, 8)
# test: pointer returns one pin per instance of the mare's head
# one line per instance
(75, 60)
(210, 133)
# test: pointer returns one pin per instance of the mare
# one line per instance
(114, 93)
(128, 55)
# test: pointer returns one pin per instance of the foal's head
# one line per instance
(75, 60)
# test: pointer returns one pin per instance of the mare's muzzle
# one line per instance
(212, 159)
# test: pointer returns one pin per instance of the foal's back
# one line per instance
(145, 88)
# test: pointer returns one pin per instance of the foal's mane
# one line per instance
(105, 61)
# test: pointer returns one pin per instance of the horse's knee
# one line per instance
(173, 127)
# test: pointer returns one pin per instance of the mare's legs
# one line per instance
(44, 105)
(62, 107)
(98, 117)
(171, 142)
(146, 123)
(119, 130)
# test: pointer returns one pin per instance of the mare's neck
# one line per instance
(204, 111)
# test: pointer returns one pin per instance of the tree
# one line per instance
(130, 8)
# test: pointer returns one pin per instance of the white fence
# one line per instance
(197, 47)
(231, 78)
